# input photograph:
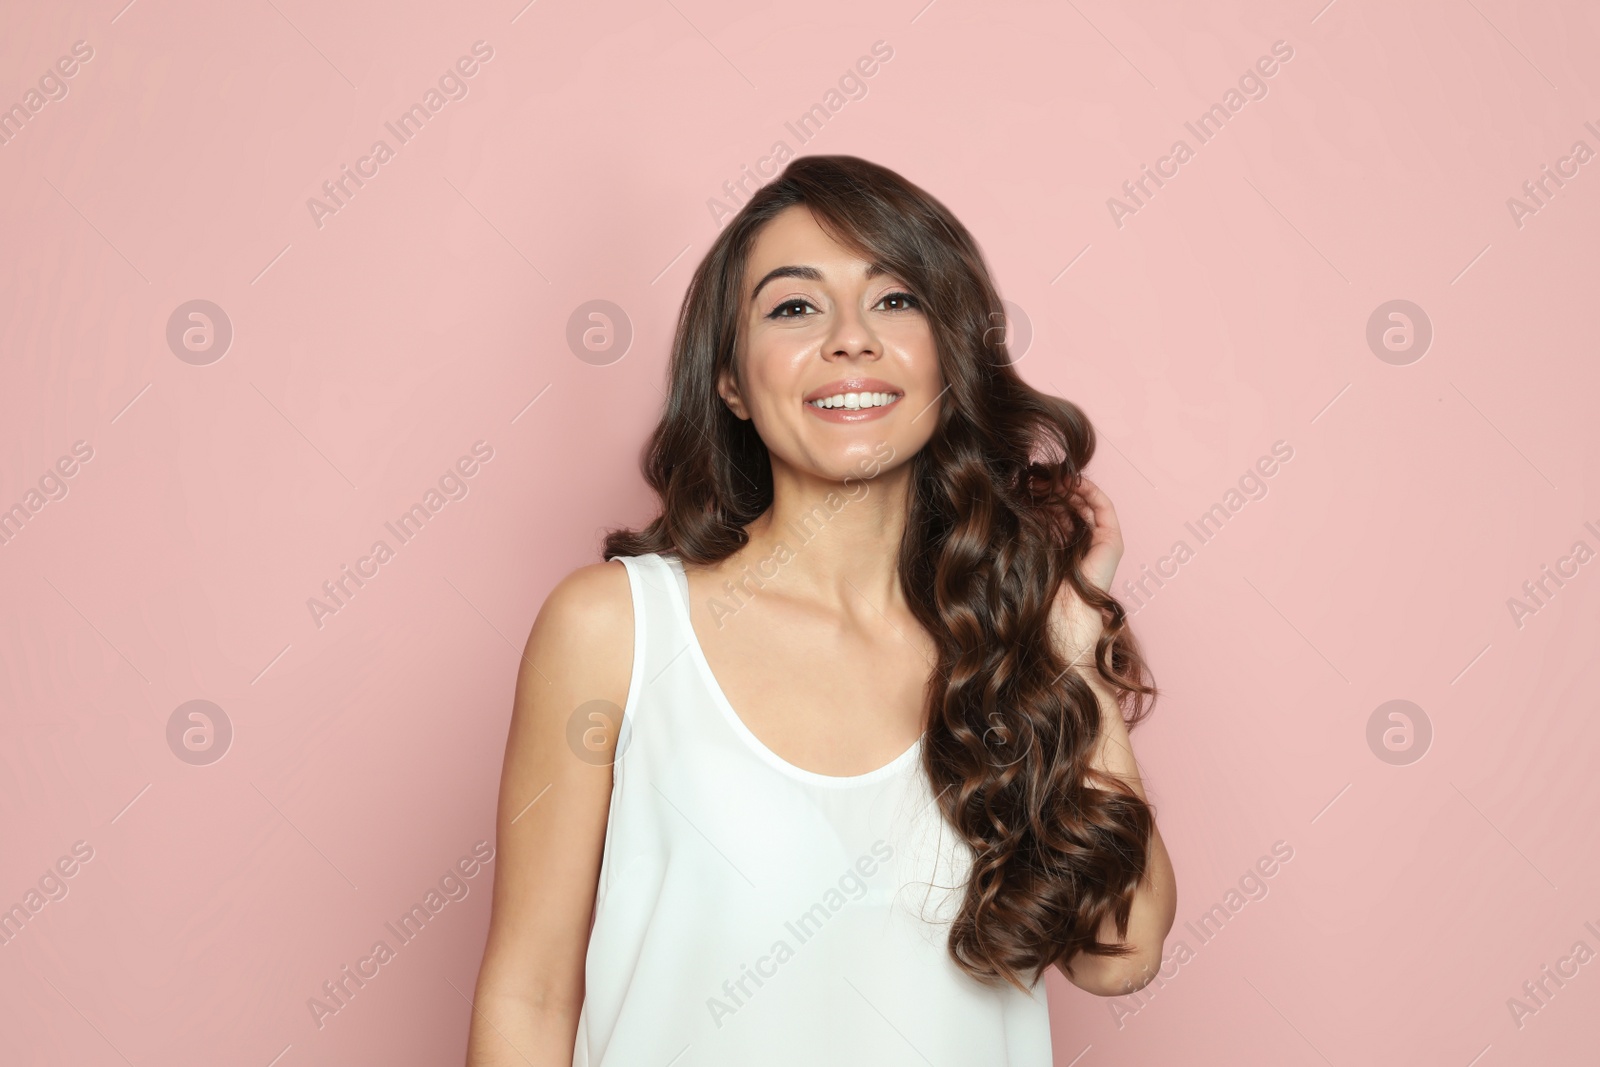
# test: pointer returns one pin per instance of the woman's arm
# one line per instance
(1156, 901)
(551, 826)
(1076, 629)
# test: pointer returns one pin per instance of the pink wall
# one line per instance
(374, 347)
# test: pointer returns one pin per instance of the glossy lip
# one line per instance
(856, 415)
(852, 385)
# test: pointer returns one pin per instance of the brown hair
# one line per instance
(990, 538)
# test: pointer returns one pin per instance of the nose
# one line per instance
(851, 336)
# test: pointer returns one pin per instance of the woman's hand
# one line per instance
(1079, 624)
(1105, 548)
(1155, 901)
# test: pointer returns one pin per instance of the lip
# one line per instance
(852, 385)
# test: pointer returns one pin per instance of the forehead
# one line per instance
(794, 238)
(795, 232)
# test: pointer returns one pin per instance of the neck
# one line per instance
(831, 541)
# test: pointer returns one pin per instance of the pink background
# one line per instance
(369, 353)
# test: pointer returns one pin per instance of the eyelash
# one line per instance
(912, 301)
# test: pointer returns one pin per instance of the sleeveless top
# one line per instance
(752, 912)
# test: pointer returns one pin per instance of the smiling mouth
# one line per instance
(855, 401)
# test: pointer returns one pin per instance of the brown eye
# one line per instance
(796, 303)
(906, 301)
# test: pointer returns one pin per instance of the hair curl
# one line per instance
(990, 538)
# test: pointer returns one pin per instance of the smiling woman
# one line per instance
(937, 669)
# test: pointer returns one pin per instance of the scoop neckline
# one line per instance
(697, 653)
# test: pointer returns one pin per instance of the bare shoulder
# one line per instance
(553, 808)
(596, 597)
(584, 632)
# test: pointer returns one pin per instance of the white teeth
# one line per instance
(855, 401)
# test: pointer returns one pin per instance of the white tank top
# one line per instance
(753, 912)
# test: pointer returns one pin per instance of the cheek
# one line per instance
(774, 368)
(916, 351)
(773, 405)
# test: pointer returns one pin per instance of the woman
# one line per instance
(832, 751)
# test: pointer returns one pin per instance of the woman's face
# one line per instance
(820, 323)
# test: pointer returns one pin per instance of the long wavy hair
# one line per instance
(990, 538)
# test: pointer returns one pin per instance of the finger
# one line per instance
(1101, 503)
(1092, 492)
(1087, 506)
(1103, 522)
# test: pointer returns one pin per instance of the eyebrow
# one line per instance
(810, 274)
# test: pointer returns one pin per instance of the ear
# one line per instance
(728, 389)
